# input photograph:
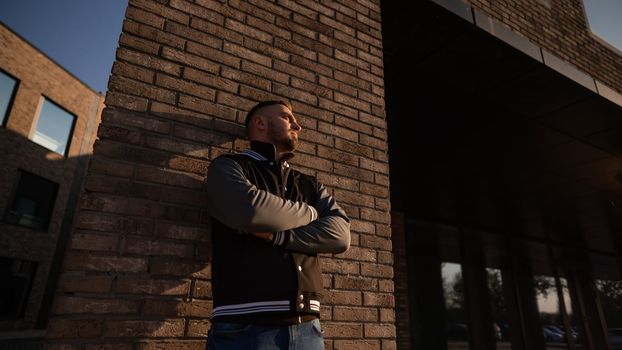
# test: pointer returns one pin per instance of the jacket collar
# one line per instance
(265, 151)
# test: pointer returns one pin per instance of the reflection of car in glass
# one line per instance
(551, 335)
(574, 332)
(556, 329)
(615, 336)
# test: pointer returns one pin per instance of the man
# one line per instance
(269, 222)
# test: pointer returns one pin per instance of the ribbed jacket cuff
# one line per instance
(314, 213)
(279, 238)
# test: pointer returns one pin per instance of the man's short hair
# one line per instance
(262, 104)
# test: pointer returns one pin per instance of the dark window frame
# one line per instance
(71, 129)
(25, 296)
(14, 192)
(12, 98)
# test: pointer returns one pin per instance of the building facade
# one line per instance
(48, 119)
(185, 75)
(501, 229)
(504, 126)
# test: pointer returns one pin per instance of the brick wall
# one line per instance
(38, 76)
(186, 73)
(561, 27)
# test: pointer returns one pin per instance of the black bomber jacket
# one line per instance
(254, 279)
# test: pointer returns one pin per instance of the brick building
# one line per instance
(49, 119)
(502, 126)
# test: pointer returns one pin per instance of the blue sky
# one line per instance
(605, 20)
(80, 35)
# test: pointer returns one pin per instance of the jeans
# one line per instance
(236, 336)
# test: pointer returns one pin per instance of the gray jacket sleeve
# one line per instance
(237, 203)
(330, 233)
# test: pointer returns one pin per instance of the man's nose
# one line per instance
(296, 126)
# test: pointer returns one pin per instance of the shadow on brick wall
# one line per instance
(137, 266)
(22, 238)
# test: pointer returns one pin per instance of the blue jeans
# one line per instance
(236, 336)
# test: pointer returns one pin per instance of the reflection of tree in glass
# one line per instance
(457, 292)
(453, 288)
(544, 285)
(453, 285)
(610, 293)
(495, 291)
(550, 304)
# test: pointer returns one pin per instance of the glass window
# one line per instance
(33, 202)
(54, 127)
(603, 17)
(8, 86)
(610, 292)
(610, 295)
(608, 283)
(501, 326)
(551, 312)
(15, 282)
(453, 288)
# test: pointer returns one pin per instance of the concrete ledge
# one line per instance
(503, 32)
(457, 7)
(523, 44)
(609, 93)
(568, 70)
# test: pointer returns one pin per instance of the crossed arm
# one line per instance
(295, 226)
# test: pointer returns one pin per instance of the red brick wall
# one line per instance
(559, 26)
(185, 75)
(38, 76)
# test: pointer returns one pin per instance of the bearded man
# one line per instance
(269, 223)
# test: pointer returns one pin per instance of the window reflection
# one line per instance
(610, 295)
(7, 91)
(33, 202)
(608, 283)
(551, 311)
(566, 295)
(15, 283)
(54, 128)
(501, 324)
(453, 290)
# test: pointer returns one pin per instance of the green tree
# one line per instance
(495, 292)
(610, 293)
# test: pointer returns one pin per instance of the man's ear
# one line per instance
(259, 122)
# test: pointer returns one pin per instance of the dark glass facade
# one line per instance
(506, 173)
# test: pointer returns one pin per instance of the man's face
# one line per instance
(282, 127)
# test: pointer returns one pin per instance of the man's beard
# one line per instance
(284, 143)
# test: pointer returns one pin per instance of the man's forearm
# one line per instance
(330, 234)
(234, 201)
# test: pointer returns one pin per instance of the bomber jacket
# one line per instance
(253, 279)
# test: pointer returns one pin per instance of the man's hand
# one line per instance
(264, 235)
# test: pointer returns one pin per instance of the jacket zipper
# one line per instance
(284, 174)
(283, 171)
